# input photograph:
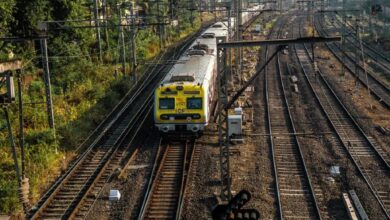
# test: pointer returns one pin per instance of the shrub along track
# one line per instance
(370, 160)
(104, 148)
(294, 191)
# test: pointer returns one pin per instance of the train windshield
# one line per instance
(194, 103)
(167, 103)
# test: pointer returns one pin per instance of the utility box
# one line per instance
(115, 195)
(235, 124)
(238, 111)
(258, 28)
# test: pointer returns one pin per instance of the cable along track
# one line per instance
(370, 160)
(377, 87)
(165, 193)
(295, 195)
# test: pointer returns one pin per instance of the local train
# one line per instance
(184, 99)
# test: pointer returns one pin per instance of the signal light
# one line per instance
(233, 211)
(239, 200)
(247, 214)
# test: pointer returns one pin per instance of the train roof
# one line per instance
(190, 69)
(199, 59)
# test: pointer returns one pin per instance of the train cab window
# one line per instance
(194, 103)
(167, 103)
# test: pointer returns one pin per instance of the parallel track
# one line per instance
(164, 196)
(377, 87)
(378, 55)
(89, 171)
(370, 160)
(295, 194)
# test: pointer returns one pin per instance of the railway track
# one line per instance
(294, 191)
(103, 149)
(375, 61)
(380, 89)
(378, 61)
(164, 196)
(377, 55)
(370, 160)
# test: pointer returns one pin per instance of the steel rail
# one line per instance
(156, 165)
(185, 180)
(380, 91)
(302, 160)
(356, 125)
(131, 158)
(312, 210)
(365, 43)
(333, 126)
(140, 119)
(167, 164)
(267, 101)
(372, 70)
(374, 54)
(102, 163)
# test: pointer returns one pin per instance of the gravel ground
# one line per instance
(131, 186)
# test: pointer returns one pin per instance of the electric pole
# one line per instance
(133, 33)
(49, 101)
(122, 40)
(97, 24)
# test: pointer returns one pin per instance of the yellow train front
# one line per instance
(180, 108)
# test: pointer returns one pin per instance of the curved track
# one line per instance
(370, 160)
(164, 196)
(295, 194)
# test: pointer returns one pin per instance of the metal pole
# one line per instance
(223, 135)
(123, 47)
(12, 142)
(238, 38)
(133, 44)
(344, 35)
(357, 72)
(49, 101)
(106, 24)
(370, 19)
(21, 123)
(97, 24)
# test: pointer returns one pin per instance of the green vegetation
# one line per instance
(270, 24)
(84, 89)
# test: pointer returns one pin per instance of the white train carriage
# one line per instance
(184, 99)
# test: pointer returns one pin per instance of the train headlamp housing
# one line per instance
(179, 88)
(196, 116)
(164, 117)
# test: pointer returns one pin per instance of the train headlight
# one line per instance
(164, 117)
(179, 88)
(196, 116)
